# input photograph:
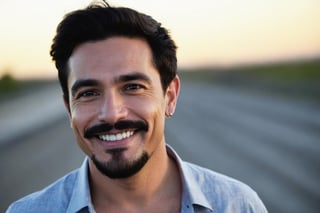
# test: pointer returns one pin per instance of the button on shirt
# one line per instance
(203, 191)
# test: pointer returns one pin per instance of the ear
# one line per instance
(171, 96)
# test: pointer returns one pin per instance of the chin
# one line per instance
(119, 168)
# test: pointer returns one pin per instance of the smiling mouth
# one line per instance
(116, 137)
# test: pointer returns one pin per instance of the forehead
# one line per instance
(109, 58)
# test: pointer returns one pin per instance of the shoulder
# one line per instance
(223, 192)
(55, 196)
(210, 179)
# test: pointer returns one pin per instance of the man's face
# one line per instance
(117, 105)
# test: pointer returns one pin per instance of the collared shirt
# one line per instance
(203, 191)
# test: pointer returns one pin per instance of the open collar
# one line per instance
(192, 194)
(81, 199)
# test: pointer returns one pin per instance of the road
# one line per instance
(272, 144)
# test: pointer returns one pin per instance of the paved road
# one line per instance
(271, 144)
(38, 107)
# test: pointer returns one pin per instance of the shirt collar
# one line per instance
(191, 187)
(192, 193)
(81, 198)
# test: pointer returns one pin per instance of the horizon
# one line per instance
(213, 68)
(208, 34)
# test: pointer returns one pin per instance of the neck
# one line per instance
(157, 181)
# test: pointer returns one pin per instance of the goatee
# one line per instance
(119, 168)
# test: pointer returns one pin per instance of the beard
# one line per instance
(119, 168)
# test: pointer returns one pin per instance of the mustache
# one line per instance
(120, 125)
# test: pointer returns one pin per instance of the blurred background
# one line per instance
(249, 104)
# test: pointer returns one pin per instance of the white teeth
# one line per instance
(116, 137)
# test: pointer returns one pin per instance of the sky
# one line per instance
(207, 32)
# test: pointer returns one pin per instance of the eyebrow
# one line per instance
(132, 77)
(83, 83)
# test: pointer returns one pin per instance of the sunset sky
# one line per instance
(207, 32)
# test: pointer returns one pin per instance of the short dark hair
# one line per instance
(99, 21)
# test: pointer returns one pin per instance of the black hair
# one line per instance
(100, 21)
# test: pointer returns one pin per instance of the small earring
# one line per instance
(169, 114)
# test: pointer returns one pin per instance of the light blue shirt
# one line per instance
(203, 191)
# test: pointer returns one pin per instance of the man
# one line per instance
(117, 70)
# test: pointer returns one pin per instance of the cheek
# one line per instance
(81, 115)
(148, 107)
(80, 120)
(154, 113)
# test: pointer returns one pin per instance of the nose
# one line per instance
(112, 108)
